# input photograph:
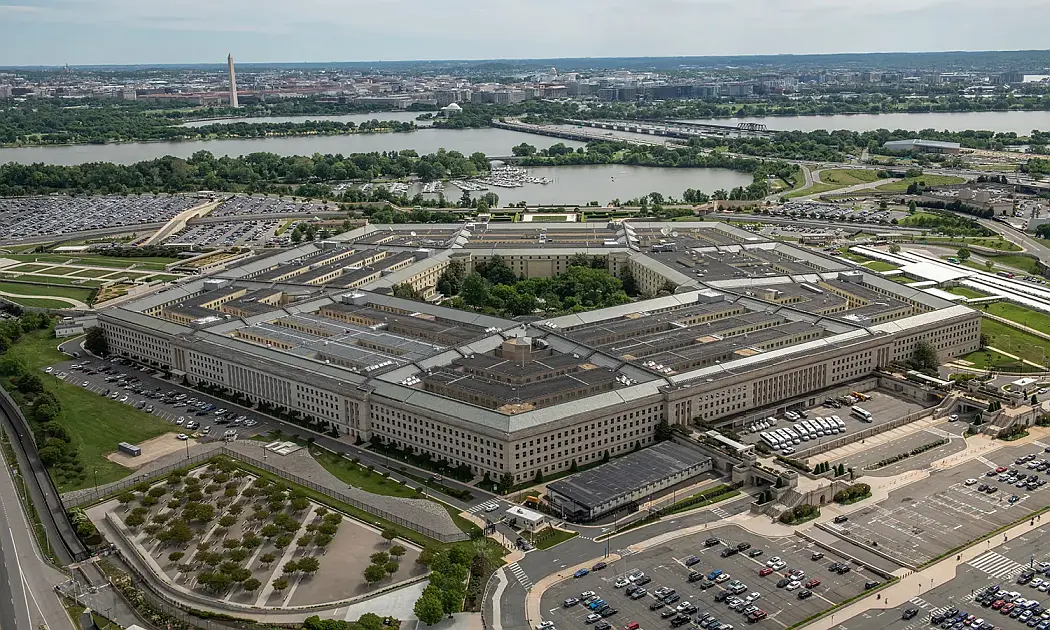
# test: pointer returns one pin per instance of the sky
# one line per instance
(82, 32)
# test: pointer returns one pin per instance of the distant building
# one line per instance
(233, 81)
(922, 146)
(450, 110)
(5, 91)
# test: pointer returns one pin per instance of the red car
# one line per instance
(813, 583)
(1000, 469)
(997, 604)
(764, 571)
(1007, 607)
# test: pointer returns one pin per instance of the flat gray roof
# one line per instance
(626, 475)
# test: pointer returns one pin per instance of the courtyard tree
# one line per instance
(375, 572)
(267, 558)
(228, 521)
(175, 556)
(282, 541)
(506, 482)
(279, 584)
(251, 585)
(304, 540)
(125, 498)
(397, 551)
(925, 358)
(309, 565)
(391, 567)
(290, 567)
(428, 609)
(380, 557)
(389, 534)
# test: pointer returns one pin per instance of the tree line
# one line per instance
(253, 173)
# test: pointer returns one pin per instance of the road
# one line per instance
(27, 581)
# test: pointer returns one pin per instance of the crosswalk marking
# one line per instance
(481, 507)
(987, 462)
(1040, 444)
(996, 565)
(720, 513)
(519, 573)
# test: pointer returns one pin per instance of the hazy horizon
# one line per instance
(191, 32)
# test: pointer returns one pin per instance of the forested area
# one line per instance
(256, 172)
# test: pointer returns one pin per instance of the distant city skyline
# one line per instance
(99, 32)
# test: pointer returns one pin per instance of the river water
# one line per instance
(489, 141)
(1021, 122)
(603, 183)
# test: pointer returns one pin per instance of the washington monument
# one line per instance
(233, 82)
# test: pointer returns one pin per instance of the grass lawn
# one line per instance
(155, 263)
(548, 218)
(1024, 263)
(928, 180)
(553, 537)
(38, 302)
(967, 293)
(67, 281)
(1021, 315)
(987, 360)
(989, 242)
(96, 424)
(815, 189)
(360, 477)
(76, 293)
(848, 176)
(27, 268)
(904, 280)
(1016, 342)
(879, 265)
(91, 273)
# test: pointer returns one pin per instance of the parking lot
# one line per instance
(666, 566)
(248, 233)
(238, 206)
(929, 517)
(996, 566)
(865, 213)
(866, 458)
(24, 217)
(150, 394)
(882, 406)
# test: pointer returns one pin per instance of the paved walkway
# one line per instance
(853, 448)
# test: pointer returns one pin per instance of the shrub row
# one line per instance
(794, 463)
(854, 493)
(915, 451)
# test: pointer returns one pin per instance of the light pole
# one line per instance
(94, 474)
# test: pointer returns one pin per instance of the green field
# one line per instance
(156, 264)
(91, 273)
(1024, 263)
(988, 360)
(848, 176)
(84, 295)
(96, 424)
(967, 293)
(27, 268)
(1016, 342)
(928, 180)
(1019, 314)
(904, 280)
(957, 241)
(815, 189)
(553, 537)
(548, 218)
(879, 265)
(360, 477)
(67, 281)
(39, 302)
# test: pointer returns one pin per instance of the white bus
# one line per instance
(802, 431)
(839, 422)
(828, 429)
(861, 413)
(771, 441)
(795, 437)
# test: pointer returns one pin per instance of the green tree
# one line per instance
(963, 254)
(428, 608)
(95, 341)
(290, 567)
(895, 248)
(506, 482)
(397, 551)
(279, 584)
(925, 357)
(380, 557)
(251, 585)
(391, 567)
(374, 573)
(475, 291)
(389, 534)
(309, 564)
(663, 431)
